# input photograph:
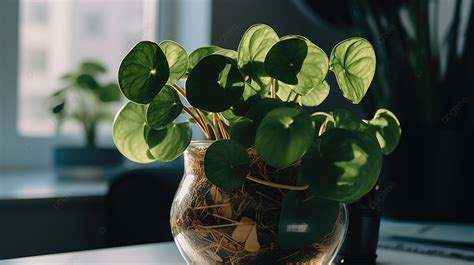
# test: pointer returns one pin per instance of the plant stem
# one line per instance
(224, 132)
(188, 111)
(277, 185)
(215, 127)
(320, 113)
(273, 89)
(199, 118)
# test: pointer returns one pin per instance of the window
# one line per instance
(55, 36)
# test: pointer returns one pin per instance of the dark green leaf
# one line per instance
(353, 63)
(129, 131)
(143, 72)
(92, 68)
(226, 164)
(387, 130)
(109, 93)
(253, 47)
(164, 108)
(169, 143)
(215, 84)
(345, 120)
(87, 81)
(284, 135)
(298, 62)
(244, 132)
(343, 165)
(304, 222)
(58, 108)
(177, 60)
(261, 108)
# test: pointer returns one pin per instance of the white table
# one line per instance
(167, 253)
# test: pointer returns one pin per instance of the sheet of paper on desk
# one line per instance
(450, 233)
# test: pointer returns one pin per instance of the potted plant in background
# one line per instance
(270, 183)
(87, 100)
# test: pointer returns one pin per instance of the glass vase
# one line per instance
(205, 219)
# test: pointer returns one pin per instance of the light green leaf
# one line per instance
(169, 143)
(298, 62)
(353, 62)
(215, 84)
(314, 98)
(200, 53)
(387, 130)
(177, 60)
(342, 165)
(284, 135)
(129, 132)
(226, 164)
(143, 72)
(227, 53)
(164, 108)
(253, 48)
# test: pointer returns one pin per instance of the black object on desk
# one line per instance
(139, 206)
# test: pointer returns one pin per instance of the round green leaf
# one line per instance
(304, 222)
(296, 61)
(353, 63)
(284, 135)
(143, 72)
(164, 108)
(226, 164)
(253, 47)
(343, 165)
(387, 130)
(169, 143)
(177, 60)
(227, 53)
(215, 84)
(129, 132)
(200, 53)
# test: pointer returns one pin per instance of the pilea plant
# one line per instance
(254, 99)
(85, 98)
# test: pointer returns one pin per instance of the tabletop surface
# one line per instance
(167, 253)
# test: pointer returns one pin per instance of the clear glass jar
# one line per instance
(204, 219)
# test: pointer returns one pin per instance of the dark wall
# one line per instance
(230, 19)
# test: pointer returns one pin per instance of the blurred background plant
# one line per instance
(85, 98)
(425, 59)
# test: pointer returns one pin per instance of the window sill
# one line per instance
(43, 185)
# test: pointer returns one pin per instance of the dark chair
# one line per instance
(139, 204)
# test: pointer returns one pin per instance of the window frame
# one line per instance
(25, 153)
